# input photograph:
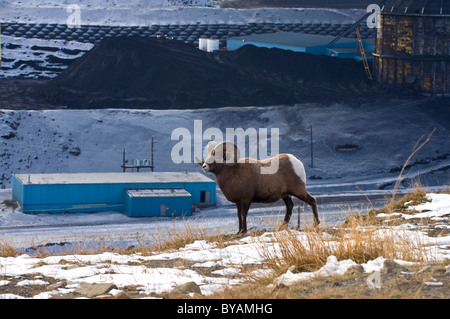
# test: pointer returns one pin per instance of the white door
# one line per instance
(163, 209)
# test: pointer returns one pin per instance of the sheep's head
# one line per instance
(219, 154)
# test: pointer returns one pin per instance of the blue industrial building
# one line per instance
(307, 43)
(157, 202)
(137, 194)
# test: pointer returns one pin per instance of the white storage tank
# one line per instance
(203, 44)
(208, 45)
(212, 45)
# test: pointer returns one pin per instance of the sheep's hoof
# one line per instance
(240, 233)
(283, 226)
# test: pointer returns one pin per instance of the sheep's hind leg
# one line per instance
(238, 206)
(306, 197)
(289, 206)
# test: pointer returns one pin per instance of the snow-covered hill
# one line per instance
(383, 134)
(114, 3)
(140, 12)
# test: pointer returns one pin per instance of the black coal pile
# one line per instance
(160, 73)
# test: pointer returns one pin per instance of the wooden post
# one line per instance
(123, 161)
(153, 165)
(0, 46)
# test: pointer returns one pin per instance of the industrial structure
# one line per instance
(157, 202)
(309, 43)
(413, 46)
(208, 44)
(143, 194)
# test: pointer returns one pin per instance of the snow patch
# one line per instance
(332, 267)
(436, 207)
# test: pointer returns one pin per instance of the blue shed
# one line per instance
(158, 202)
(308, 43)
(96, 192)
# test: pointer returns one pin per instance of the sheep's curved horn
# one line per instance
(199, 161)
(227, 153)
(211, 145)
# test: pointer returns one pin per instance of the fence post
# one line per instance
(153, 165)
(312, 152)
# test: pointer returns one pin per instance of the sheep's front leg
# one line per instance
(243, 208)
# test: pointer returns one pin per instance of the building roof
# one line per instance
(112, 178)
(417, 7)
(158, 192)
(293, 39)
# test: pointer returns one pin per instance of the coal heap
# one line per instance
(137, 72)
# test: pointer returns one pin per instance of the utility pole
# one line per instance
(0, 46)
(153, 164)
(312, 154)
(123, 161)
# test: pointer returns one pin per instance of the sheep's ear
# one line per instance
(227, 152)
(211, 145)
(233, 154)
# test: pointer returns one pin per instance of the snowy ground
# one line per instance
(139, 12)
(38, 58)
(131, 270)
(385, 132)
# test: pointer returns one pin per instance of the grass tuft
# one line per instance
(7, 249)
(416, 197)
(362, 237)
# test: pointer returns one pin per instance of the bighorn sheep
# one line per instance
(242, 181)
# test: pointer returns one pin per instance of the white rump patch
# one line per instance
(298, 167)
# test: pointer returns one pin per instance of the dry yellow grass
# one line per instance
(7, 249)
(362, 237)
(173, 237)
(309, 250)
(416, 197)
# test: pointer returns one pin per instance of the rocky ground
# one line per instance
(428, 281)
(396, 279)
(424, 281)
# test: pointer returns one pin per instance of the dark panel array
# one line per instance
(188, 33)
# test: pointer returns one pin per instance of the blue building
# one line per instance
(307, 43)
(157, 202)
(137, 194)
